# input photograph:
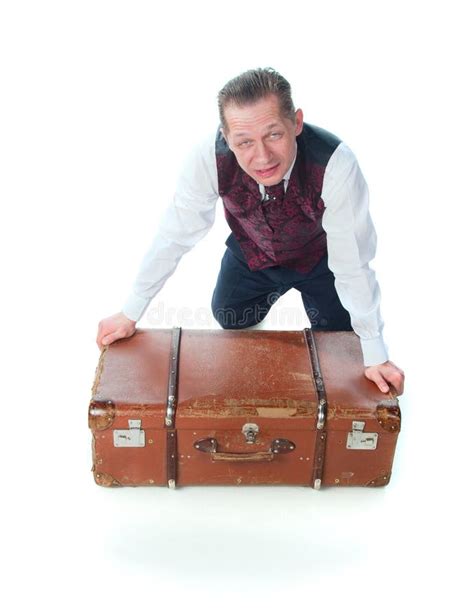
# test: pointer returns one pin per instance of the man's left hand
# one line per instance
(386, 374)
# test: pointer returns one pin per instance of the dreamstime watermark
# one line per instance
(280, 317)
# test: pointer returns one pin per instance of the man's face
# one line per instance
(262, 139)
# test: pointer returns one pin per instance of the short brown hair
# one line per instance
(251, 86)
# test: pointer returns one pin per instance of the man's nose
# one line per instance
(262, 153)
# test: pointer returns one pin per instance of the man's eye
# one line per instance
(275, 135)
(244, 143)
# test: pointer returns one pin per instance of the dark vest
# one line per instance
(291, 236)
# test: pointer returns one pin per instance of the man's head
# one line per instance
(260, 124)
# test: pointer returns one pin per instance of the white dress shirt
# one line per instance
(351, 239)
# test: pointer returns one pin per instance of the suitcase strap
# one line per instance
(171, 436)
(173, 377)
(321, 434)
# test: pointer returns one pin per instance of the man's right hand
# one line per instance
(113, 328)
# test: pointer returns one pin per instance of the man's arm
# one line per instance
(187, 220)
(352, 243)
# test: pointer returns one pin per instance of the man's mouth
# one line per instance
(265, 173)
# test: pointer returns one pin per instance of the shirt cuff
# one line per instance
(135, 306)
(374, 351)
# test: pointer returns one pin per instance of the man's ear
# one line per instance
(299, 121)
(225, 139)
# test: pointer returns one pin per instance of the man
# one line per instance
(297, 204)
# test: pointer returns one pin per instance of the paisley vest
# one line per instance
(289, 235)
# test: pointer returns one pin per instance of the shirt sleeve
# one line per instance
(352, 242)
(187, 219)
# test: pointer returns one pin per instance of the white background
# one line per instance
(100, 101)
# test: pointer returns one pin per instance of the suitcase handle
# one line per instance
(278, 446)
(258, 456)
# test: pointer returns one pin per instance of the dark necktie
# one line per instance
(273, 202)
(275, 194)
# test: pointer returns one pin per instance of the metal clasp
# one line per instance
(170, 410)
(358, 439)
(133, 437)
(250, 430)
(321, 414)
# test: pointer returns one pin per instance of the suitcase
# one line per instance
(174, 407)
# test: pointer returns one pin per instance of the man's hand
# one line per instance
(386, 374)
(113, 328)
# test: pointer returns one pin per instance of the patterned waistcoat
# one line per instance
(290, 235)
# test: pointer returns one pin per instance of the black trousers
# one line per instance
(243, 298)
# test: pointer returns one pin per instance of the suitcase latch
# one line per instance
(133, 437)
(250, 430)
(358, 439)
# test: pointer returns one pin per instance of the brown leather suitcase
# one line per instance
(225, 407)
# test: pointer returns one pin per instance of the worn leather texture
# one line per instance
(227, 379)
